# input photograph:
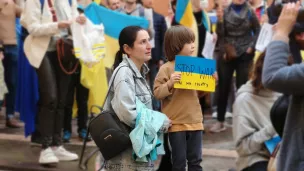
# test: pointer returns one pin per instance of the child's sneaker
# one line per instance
(66, 136)
(82, 135)
(218, 127)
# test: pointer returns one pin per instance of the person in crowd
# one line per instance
(130, 83)
(180, 105)
(279, 77)
(131, 7)
(158, 57)
(203, 26)
(239, 27)
(47, 23)
(218, 53)
(9, 11)
(113, 4)
(251, 121)
(3, 88)
(82, 96)
(259, 7)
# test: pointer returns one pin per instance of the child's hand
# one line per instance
(215, 76)
(175, 77)
(1, 56)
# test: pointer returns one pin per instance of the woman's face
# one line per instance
(141, 50)
(188, 49)
(238, 2)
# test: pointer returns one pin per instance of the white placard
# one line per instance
(265, 37)
(209, 47)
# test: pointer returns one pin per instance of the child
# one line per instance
(180, 105)
(3, 88)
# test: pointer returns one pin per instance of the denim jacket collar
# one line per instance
(138, 74)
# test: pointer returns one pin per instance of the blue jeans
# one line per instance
(10, 64)
(186, 147)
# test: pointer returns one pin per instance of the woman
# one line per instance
(251, 121)
(238, 27)
(46, 23)
(129, 83)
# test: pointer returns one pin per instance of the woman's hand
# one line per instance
(287, 18)
(249, 50)
(81, 19)
(166, 125)
(64, 24)
(175, 77)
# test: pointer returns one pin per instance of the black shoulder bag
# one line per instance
(109, 134)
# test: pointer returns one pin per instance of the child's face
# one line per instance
(188, 49)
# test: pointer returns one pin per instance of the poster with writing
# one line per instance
(209, 47)
(265, 37)
(196, 73)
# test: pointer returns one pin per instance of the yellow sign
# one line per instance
(196, 73)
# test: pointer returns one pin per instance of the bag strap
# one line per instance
(60, 52)
(60, 44)
(42, 4)
(111, 82)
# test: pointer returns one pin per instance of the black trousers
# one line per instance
(82, 95)
(186, 148)
(166, 164)
(259, 166)
(242, 66)
(53, 89)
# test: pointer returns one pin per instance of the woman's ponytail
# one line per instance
(118, 59)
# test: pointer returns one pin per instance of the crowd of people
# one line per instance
(248, 83)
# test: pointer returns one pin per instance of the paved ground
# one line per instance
(17, 153)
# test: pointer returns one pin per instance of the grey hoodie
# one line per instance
(251, 124)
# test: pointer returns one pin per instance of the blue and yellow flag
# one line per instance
(113, 23)
(184, 14)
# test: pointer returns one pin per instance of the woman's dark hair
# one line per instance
(256, 74)
(126, 37)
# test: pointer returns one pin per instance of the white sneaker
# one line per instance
(63, 155)
(217, 127)
(47, 156)
(214, 115)
(227, 115)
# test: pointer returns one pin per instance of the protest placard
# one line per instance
(196, 73)
(265, 37)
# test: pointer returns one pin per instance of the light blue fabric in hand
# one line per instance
(147, 137)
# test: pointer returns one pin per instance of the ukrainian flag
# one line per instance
(113, 23)
(184, 16)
